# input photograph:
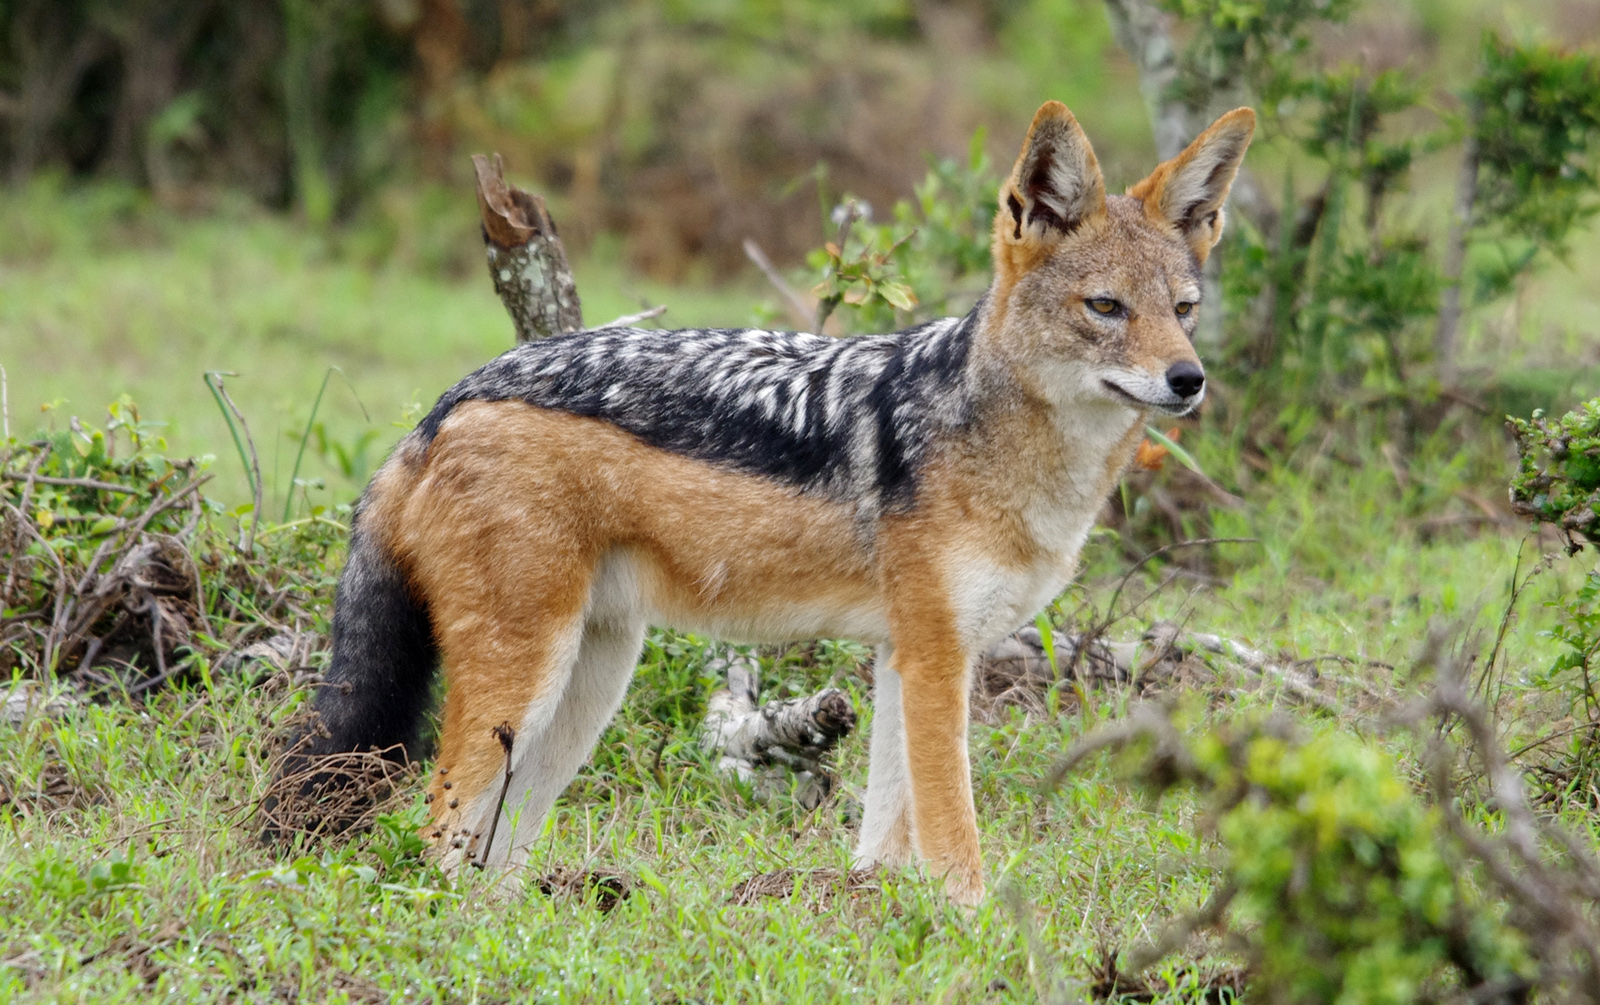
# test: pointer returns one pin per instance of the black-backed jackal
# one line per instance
(926, 492)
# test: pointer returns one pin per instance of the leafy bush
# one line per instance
(1337, 879)
(1558, 475)
(1537, 128)
(1341, 870)
(929, 260)
(119, 571)
(1558, 482)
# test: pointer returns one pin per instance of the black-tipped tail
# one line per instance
(378, 685)
(384, 656)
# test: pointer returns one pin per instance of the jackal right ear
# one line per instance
(1056, 185)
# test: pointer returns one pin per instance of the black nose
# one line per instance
(1186, 379)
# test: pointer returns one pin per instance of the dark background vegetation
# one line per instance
(686, 127)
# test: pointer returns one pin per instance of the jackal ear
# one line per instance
(1188, 191)
(1056, 184)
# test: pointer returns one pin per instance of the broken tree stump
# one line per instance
(762, 744)
(527, 261)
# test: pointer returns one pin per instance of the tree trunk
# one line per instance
(152, 38)
(53, 53)
(1144, 32)
(1455, 255)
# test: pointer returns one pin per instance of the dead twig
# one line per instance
(332, 793)
(801, 310)
(82, 483)
(507, 736)
(628, 320)
(820, 885)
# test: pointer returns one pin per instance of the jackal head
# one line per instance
(1097, 296)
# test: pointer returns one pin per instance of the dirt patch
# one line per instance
(608, 888)
(817, 886)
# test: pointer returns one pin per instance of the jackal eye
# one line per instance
(1103, 305)
(1184, 308)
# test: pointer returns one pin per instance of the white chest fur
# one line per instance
(993, 599)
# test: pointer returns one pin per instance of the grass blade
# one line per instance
(1183, 456)
(1187, 460)
(252, 467)
(305, 436)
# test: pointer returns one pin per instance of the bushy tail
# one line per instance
(384, 656)
(377, 689)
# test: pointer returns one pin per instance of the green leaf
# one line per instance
(898, 295)
(1047, 638)
(1183, 456)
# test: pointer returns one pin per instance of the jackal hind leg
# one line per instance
(886, 824)
(510, 669)
(545, 760)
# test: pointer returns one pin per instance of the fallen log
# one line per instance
(775, 746)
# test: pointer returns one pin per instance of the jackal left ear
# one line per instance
(1188, 191)
(1056, 184)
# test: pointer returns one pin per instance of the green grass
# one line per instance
(244, 923)
(203, 912)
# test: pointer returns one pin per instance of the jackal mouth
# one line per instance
(1180, 406)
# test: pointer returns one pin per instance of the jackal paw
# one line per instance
(964, 889)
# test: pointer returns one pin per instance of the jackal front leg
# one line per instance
(933, 697)
(886, 837)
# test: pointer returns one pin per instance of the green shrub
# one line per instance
(1341, 872)
(1558, 476)
(1338, 880)
(118, 568)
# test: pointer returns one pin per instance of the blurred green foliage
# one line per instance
(1251, 47)
(1558, 475)
(1536, 113)
(1342, 874)
(1339, 882)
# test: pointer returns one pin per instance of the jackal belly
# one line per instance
(735, 604)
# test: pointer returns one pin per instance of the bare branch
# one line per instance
(628, 320)
(801, 310)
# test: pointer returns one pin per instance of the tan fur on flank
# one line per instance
(542, 542)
